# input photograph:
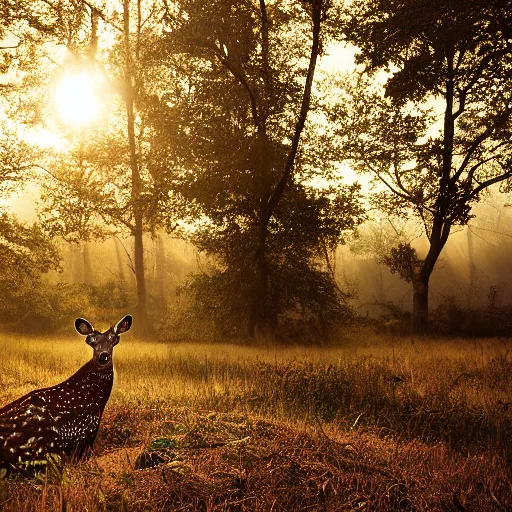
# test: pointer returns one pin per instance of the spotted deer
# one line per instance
(62, 419)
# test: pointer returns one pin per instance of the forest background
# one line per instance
(242, 170)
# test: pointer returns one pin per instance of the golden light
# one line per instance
(76, 98)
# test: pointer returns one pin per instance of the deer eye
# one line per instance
(93, 340)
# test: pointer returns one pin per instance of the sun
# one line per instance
(76, 98)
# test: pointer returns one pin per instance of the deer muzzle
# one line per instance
(103, 358)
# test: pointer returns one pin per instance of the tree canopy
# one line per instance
(225, 130)
(443, 57)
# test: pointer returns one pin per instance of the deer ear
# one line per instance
(123, 325)
(83, 326)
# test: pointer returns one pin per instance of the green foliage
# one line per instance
(62, 20)
(164, 443)
(24, 249)
(111, 295)
(458, 54)
(216, 89)
(403, 260)
(42, 307)
(25, 254)
(31, 302)
(303, 294)
(438, 133)
(87, 194)
(221, 142)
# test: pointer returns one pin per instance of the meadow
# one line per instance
(373, 423)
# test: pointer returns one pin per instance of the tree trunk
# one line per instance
(140, 276)
(441, 224)
(161, 272)
(420, 306)
(438, 238)
(120, 263)
(259, 318)
(472, 268)
(137, 232)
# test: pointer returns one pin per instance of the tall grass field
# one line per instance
(371, 424)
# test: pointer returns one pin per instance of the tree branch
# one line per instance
(267, 76)
(462, 104)
(405, 195)
(475, 167)
(131, 264)
(316, 8)
(472, 148)
(396, 173)
(242, 79)
(489, 182)
(103, 16)
(499, 120)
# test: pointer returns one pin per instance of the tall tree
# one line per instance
(136, 185)
(449, 54)
(235, 115)
(25, 252)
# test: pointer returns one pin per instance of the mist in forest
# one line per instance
(474, 273)
(255, 172)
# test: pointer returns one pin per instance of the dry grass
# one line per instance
(380, 424)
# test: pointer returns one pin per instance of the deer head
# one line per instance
(103, 343)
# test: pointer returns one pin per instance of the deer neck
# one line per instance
(94, 380)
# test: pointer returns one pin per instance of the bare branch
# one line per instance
(398, 179)
(474, 168)
(499, 120)
(472, 148)
(131, 265)
(406, 195)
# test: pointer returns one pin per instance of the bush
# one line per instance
(452, 319)
(40, 306)
(304, 302)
